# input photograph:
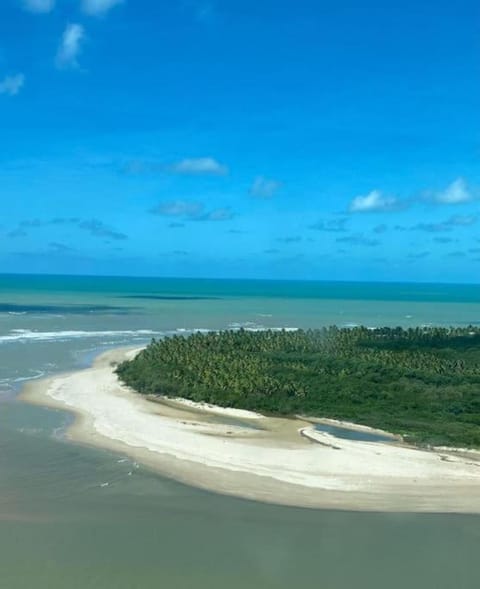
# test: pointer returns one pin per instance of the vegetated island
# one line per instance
(422, 383)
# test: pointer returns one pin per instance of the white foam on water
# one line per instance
(26, 335)
(38, 374)
(251, 326)
(193, 330)
(236, 325)
(262, 328)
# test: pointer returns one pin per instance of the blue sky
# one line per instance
(311, 140)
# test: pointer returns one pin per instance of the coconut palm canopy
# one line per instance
(423, 383)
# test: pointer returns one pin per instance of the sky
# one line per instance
(318, 140)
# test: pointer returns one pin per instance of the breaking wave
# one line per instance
(27, 335)
(251, 326)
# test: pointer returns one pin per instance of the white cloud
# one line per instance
(202, 165)
(70, 46)
(39, 6)
(456, 193)
(264, 188)
(374, 201)
(99, 7)
(12, 85)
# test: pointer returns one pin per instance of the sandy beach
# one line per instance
(285, 461)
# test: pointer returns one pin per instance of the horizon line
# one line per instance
(227, 279)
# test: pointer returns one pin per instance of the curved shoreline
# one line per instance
(276, 460)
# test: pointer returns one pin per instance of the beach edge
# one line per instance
(255, 486)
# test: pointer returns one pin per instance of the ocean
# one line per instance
(62, 525)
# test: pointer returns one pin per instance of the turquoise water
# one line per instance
(122, 286)
(61, 524)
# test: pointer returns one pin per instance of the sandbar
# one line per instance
(276, 460)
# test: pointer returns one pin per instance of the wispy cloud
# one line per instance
(139, 167)
(237, 232)
(223, 214)
(70, 47)
(179, 208)
(191, 211)
(60, 247)
(418, 255)
(99, 7)
(456, 255)
(39, 6)
(358, 239)
(198, 166)
(456, 193)
(379, 229)
(94, 227)
(11, 85)
(18, 232)
(203, 166)
(330, 226)
(462, 220)
(448, 225)
(431, 227)
(264, 187)
(99, 229)
(443, 239)
(373, 202)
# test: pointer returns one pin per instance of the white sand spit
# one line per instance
(277, 460)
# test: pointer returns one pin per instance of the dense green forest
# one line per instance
(423, 383)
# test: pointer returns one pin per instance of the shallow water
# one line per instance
(64, 529)
(76, 517)
(351, 434)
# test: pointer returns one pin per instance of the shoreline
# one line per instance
(275, 460)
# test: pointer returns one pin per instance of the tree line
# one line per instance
(423, 383)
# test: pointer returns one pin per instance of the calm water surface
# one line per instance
(351, 434)
(76, 517)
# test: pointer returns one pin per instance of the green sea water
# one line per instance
(77, 517)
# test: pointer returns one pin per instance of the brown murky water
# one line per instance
(80, 518)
